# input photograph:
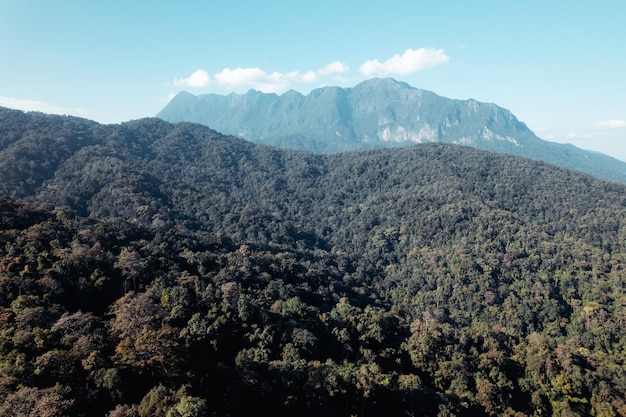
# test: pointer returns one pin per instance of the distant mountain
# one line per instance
(378, 113)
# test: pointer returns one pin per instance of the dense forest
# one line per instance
(156, 269)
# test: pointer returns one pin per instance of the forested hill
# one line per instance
(378, 113)
(185, 273)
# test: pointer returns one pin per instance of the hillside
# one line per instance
(378, 113)
(164, 269)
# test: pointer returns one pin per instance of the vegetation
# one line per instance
(166, 270)
(378, 113)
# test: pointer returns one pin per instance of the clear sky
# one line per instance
(559, 66)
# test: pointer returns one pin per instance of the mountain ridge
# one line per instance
(380, 112)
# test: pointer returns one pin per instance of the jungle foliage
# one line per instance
(166, 270)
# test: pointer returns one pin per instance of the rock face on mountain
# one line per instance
(378, 113)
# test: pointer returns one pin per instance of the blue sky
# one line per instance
(559, 66)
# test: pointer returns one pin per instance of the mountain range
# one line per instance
(378, 113)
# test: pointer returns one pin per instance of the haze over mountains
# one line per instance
(378, 113)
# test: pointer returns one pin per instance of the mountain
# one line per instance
(378, 113)
(159, 269)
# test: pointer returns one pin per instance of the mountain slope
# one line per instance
(206, 269)
(378, 113)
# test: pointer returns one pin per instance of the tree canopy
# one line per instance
(167, 270)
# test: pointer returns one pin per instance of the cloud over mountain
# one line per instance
(199, 78)
(259, 79)
(254, 78)
(412, 60)
(242, 78)
(34, 105)
(336, 67)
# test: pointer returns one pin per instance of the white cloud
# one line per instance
(609, 124)
(254, 78)
(307, 77)
(578, 136)
(412, 60)
(274, 82)
(199, 78)
(258, 79)
(34, 105)
(336, 67)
